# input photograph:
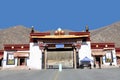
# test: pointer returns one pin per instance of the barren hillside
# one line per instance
(109, 33)
(20, 35)
(14, 35)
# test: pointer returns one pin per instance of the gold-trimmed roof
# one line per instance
(59, 36)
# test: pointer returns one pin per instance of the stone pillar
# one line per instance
(101, 61)
(18, 61)
(74, 58)
(45, 58)
(94, 62)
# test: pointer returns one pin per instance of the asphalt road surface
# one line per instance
(65, 74)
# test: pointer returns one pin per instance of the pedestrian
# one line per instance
(99, 65)
(94, 65)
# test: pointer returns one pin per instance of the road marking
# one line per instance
(56, 76)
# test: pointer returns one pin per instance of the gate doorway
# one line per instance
(60, 56)
(0, 62)
(21, 61)
(98, 61)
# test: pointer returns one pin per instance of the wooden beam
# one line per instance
(45, 59)
(74, 58)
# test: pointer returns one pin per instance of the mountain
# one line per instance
(14, 35)
(20, 35)
(109, 33)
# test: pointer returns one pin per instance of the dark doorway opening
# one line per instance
(43, 60)
(77, 59)
(98, 59)
(22, 61)
(0, 62)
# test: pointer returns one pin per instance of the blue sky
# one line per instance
(50, 14)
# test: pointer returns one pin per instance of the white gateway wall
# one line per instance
(35, 58)
(85, 51)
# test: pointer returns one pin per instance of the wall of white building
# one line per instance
(35, 58)
(85, 51)
(4, 62)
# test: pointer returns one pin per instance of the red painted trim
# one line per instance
(117, 49)
(19, 47)
(102, 45)
(1, 52)
(59, 33)
(40, 34)
(16, 44)
(79, 33)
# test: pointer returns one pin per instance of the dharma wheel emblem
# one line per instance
(59, 31)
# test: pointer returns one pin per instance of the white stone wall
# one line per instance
(114, 58)
(35, 58)
(85, 51)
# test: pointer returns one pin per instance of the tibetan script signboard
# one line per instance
(59, 45)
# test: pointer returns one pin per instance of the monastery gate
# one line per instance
(59, 48)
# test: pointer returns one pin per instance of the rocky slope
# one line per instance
(14, 35)
(109, 33)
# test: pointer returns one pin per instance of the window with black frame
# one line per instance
(109, 56)
(10, 59)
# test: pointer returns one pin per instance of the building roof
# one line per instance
(59, 34)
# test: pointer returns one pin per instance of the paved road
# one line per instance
(66, 74)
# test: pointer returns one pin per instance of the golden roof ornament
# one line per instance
(32, 30)
(59, 31)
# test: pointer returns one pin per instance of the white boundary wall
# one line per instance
(85, 51)
(35, 58)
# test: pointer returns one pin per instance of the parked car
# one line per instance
(85, 64)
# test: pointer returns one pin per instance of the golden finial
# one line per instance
(87, 28)
(32, 30)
